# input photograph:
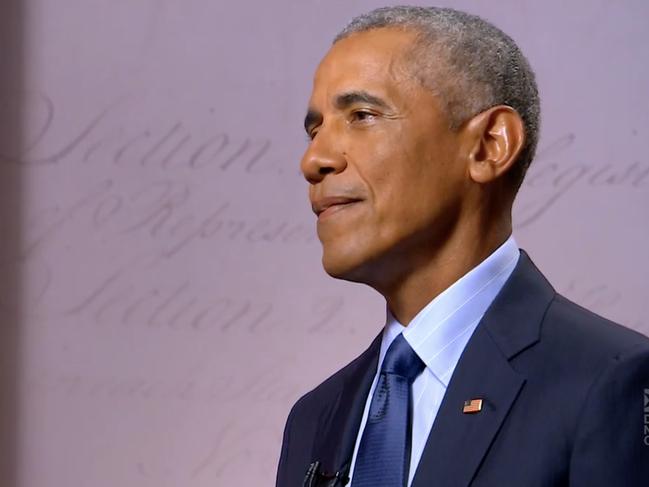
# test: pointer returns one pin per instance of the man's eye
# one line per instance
(363, 116)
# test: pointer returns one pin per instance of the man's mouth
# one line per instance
(329, 205)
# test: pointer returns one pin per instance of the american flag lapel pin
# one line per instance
(472, 406)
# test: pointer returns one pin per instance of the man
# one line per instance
(422, 123)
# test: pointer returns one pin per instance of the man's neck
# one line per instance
(425, 281)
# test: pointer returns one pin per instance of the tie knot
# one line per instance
(401, 359)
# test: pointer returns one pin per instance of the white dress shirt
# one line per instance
(438, 334)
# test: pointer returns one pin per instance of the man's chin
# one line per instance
(345, 267)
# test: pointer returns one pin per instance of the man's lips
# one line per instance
(330, 204)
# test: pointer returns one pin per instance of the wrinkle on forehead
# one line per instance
(376, 59)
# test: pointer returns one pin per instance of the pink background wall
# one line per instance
(162, 296)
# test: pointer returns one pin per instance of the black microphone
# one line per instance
(316, 478)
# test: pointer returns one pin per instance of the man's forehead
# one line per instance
(363, 61)
(372, 48)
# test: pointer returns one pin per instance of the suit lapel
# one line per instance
(337, 430)
(458, 442)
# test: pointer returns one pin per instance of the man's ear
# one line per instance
(496, 138)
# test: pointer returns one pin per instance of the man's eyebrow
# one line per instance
(345, 100)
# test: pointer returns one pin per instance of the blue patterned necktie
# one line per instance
(384, 453)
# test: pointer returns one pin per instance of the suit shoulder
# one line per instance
(583, 332)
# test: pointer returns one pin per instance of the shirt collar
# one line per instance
(441, 330)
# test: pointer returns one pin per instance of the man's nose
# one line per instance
(322, 157)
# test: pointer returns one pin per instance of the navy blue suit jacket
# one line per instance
(563, 402)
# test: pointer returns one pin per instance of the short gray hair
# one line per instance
(480, 66)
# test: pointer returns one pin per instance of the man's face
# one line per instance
(383, 168)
